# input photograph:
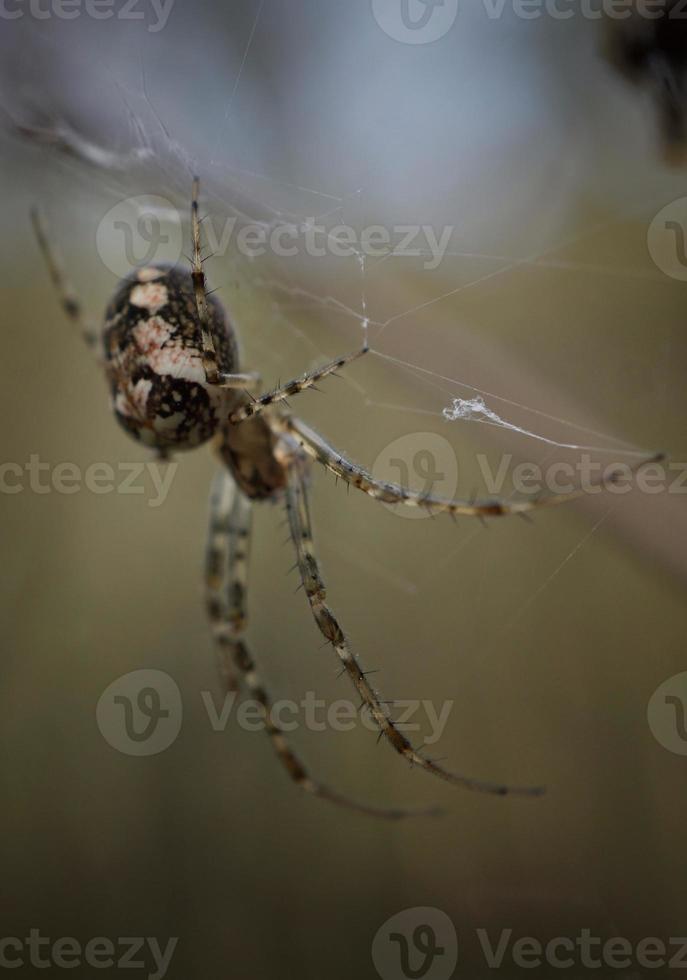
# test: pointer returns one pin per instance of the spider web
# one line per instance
(526, 148)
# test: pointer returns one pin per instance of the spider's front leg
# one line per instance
(65, 291)
(305, 381)
(250, 381)
(301, 532)
(246, 381)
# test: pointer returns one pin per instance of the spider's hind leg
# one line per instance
(226, 570)
(226, 582)
(301, 532)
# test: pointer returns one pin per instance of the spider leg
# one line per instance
(226, 568)
(301, 532)
(246, 382)
(228, 547)
(393, 493)
(305, 381)
(65, 291)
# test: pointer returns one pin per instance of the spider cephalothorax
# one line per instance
(171, 358)
(153, 349)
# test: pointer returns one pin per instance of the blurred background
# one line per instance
(549, 167)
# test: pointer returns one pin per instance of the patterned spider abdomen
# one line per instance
(154, 360)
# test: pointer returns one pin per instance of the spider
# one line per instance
(651, 50)
(170, 356)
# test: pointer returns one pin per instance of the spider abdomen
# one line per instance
(154, 360)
